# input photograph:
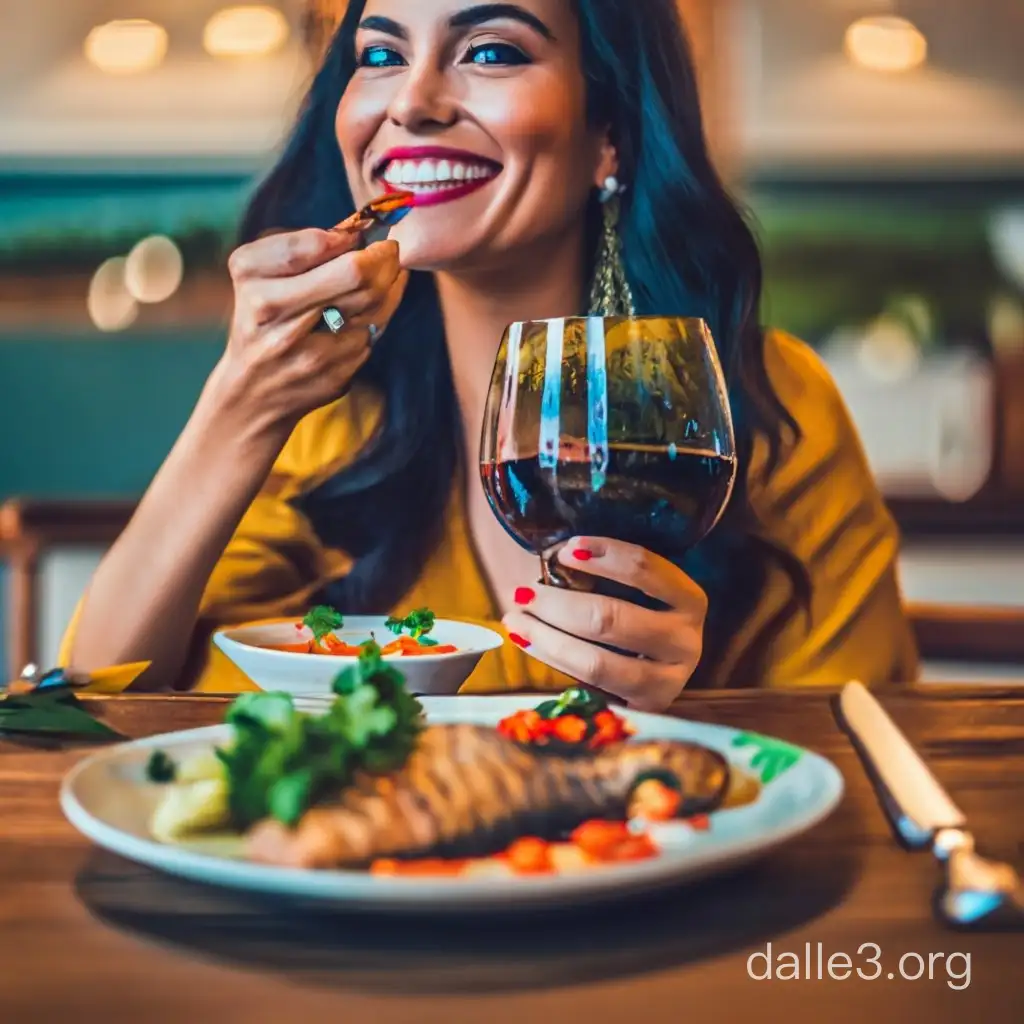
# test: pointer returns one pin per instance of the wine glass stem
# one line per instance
(554, 574)
(549, 574)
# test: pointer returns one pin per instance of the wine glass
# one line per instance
(614, 427)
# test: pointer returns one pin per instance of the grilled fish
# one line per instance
(468, 791)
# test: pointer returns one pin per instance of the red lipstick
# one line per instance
(461, 156)
(450, 191)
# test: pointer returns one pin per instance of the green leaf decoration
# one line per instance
(54, 712)
(772, 758)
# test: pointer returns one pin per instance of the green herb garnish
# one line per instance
(576, 701)
(417, 624)
(322, 620)
(160, 768)
(283, 761)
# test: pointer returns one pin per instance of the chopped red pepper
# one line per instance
(569, 729)
(530, 856)
(573, 730)
(597, 837)
(639, 847)
(611, 728)
(601, 842)
(330, 645)
(522, 727)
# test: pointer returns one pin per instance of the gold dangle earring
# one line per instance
(610, 294)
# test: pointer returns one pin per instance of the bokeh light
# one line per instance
(111, 306)
(126, 46)
(247, 31)
(154, 269)
(886, 44)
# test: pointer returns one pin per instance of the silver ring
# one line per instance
(334, 320)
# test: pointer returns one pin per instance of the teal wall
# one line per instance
(94, 417)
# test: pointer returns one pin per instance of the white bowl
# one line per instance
(312, 674)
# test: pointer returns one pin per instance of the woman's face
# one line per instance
(480, 109)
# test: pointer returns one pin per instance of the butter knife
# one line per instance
(976, 892)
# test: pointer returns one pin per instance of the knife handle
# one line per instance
(977, 894)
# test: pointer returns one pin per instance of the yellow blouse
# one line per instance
(820, 504)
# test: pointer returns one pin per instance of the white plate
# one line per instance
(312, 675)
(107, 798)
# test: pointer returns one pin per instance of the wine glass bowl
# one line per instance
(613, 427)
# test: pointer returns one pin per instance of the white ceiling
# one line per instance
(54, 104)
(802, 101)
(797, 99)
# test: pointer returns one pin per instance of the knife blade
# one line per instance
(918, 805)
(976, 892)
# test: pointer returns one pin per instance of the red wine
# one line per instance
(663, 499)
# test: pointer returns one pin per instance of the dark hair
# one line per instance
(688, 251)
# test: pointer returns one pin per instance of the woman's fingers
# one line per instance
(303, 354)
(674, 636)
(636, 567)
(354, 282)
(644, 685)
(289, 253)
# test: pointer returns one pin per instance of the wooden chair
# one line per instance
(968, 633)
(34, 532)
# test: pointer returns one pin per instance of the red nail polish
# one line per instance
(519, 641)
(582, 555)
(525, 595)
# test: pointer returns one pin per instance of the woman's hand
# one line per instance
(280, 366)
(563, 628)
(275, 369)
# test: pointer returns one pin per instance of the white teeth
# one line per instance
(430, 174)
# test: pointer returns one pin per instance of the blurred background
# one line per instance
(878, 144)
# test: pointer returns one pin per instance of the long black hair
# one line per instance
(687, 249)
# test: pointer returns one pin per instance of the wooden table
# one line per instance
(84, 934)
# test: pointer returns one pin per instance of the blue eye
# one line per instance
(380, 57)
(496, 53)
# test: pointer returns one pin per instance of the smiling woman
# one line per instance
(526, 152)
(548, 144)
